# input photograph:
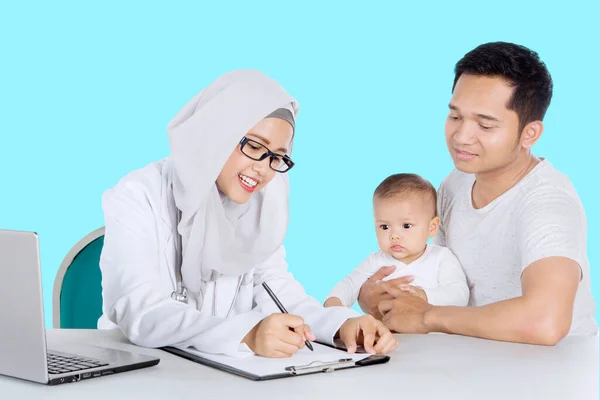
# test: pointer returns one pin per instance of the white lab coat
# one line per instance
(138, 277)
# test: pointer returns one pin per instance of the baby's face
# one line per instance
(403, 225)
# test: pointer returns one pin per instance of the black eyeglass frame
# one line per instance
(286, 160)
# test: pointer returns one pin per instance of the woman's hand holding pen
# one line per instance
(369, 332)
(278, 336)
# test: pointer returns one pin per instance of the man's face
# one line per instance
(482, 134)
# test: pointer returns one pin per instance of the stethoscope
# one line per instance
(180, 293)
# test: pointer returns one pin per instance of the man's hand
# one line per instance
(371, 293)
(406, 313)
(369, 332)
(414, 290)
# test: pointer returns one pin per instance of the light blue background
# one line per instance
(87, 89)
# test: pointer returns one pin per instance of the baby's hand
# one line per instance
(415, 290)
(333, 302)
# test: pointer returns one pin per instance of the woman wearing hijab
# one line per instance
(190, 239)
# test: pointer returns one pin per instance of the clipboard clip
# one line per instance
(321, 366)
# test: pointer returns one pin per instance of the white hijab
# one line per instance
(218, 236)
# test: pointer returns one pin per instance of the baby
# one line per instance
(404, 207)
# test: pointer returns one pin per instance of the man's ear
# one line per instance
(531, 133)
(434, 226)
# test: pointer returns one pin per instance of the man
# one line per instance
(515, 223)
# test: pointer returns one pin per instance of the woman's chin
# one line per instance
(240, 193)
(239, 196)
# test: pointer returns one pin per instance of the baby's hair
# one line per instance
(403, 184)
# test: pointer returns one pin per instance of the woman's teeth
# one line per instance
(248, 181)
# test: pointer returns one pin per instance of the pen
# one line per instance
(282, 308)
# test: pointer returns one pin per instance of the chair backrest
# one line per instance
(77, 294)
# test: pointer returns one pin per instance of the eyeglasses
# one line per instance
(258, 152)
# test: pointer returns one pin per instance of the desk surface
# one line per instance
(434, 366)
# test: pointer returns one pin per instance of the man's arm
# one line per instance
(542, 315)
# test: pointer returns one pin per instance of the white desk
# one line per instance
(423, 367)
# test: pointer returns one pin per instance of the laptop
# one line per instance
(23, 351)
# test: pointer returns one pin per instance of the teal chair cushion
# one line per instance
(81, 291)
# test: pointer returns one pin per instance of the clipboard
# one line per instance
(325, 360)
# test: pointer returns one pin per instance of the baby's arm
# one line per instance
(345, 293)
(452, 287)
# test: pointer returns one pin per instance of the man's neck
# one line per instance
(491, 185)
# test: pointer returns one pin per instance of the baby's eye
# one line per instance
(384, 227)
(407, 226)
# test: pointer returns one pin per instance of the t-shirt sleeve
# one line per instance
(440, 237)
(551, 223)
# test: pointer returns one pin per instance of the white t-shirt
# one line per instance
(541, 216)
(437, 272)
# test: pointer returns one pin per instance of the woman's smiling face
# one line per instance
(242, 176)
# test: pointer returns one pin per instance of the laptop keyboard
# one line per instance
(60, 364)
